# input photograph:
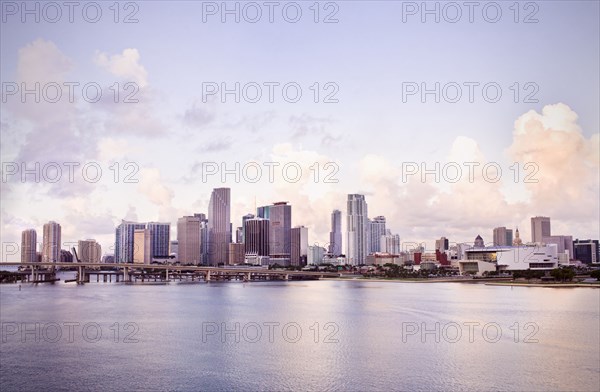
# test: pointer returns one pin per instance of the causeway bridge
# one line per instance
(45, 272)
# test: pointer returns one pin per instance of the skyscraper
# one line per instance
(502, 236)
(51, 243)
(391, 244)
(142, 245)
(356, 229)
(442, 244)
(89, 251)
(376, 231)
(299, 247)
(540, 228)
(29, 246)
(335, 235)
(219, 226)
(280, 217)
(262, 212)
(160, 234)
(256, 239)
(188, 240)
(244, 219)
(124, 241)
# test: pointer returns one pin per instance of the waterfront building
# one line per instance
(51, 244)
(29, 246)
(356, 229)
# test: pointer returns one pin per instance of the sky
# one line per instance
(517, 103)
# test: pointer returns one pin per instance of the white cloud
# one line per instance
(125, 65)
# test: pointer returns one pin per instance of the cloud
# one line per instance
(150, 185)
(566, 163)
(125, 65)
(309, 126)
(198, 116)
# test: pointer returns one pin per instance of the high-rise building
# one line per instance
(564, 244)
(219, 225)
(316, 254)
(587, 251)
(356, 229)
(442, 244)
(299, 251)
(391, 244)
(236, 254)
(124, 241)
(142, 246)
(503, 236)
(257, 237)
(51, 243)
(160, 234)
(376, 231)
(540, 228)
(239, 235)
(174, 249)
(244, 219)
(188, 240)
(280, 231)
(335, 235)
(263, 212)
(29, 246)
(89, 251)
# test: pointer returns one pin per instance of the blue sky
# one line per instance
(369, 133)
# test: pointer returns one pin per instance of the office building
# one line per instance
(586, 251)
(219, 226)
(142, 245)
(335, 235)
(502, 236)
(564, 244)
(442, 244)
(280, 233)
(188, 240)
(236, 254)
(299, 247)
(540, 228)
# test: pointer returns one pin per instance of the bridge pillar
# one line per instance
(125, 274)
(80, 275)
(167, 275)
(207, 278)
(287, 277)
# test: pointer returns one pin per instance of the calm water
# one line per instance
(374, 340)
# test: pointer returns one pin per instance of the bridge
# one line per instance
(42, 272)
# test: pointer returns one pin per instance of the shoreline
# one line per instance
(487, 282)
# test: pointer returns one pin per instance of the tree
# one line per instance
(595, 274)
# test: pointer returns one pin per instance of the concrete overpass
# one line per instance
(129, 272)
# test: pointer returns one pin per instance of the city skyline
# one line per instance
(159, 235)
(163, 140)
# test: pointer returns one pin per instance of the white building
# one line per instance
(509, 258)
(356, 229)
(51, 243)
